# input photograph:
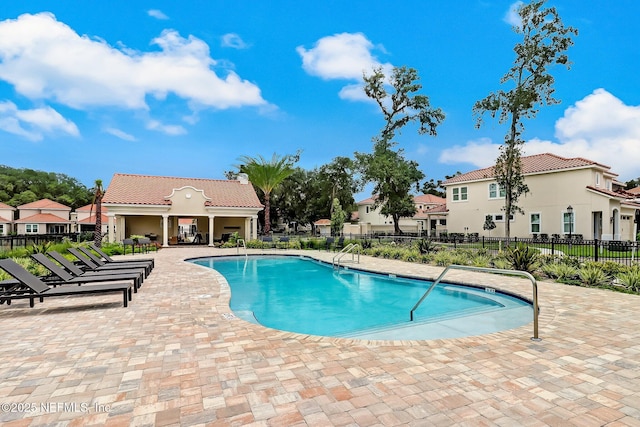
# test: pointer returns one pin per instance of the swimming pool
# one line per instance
(301, 295)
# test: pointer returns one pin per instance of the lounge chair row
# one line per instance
(100, 275)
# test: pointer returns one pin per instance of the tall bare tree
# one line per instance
(545, 39)
(392, 175)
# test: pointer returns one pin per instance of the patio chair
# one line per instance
(283, 242)
(77, 271)
(92, 266)
(147, 263)
(31, 287)
(329, 243)
(108, 260)
(268, 240)
(63, 277)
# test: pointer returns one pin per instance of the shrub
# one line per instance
(562, 272)
(593, 275)
(522, 257)
(502, 263)
(425, 246)
(630, 279)
(42, 248)
(443, 258)
(481, 261)
(410, 255)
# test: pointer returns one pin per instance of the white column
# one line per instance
(165, 230)
(254, 227)
(111, 227)
(211, 218)
(247, 228)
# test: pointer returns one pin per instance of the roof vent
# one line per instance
(243, 178)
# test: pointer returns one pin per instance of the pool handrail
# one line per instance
(493, 271)
(350, 248)
(243, 245)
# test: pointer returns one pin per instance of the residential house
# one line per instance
(567, 196)
(160, 206)
(6, 219)
(43, 217)
(430, 214)
(322, 227)
(85, 219)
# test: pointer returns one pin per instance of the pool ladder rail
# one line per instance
(351, 248)
(241, 242)
(494, 271)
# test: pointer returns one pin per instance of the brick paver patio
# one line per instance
(175, 356)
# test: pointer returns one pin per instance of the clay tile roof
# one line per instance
(421, 198)
(438, 209)
(635, 190)
(153, 190)
(4, 220)
(45, 204)
(606, 192)
(43, 218)
(322, 222)
(5, 206)
(538, 163)
(428, 199)
(87, 208)
(92, 220)
(367, 201)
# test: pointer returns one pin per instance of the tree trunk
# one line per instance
(97, 234)
(267, 213)
(396, 225)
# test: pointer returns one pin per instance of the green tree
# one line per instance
(266, 175)
(338, 217)
(20, 186)
(545, 40)
(488, 224)
(295, 197)
(394, 176)
(98, 192)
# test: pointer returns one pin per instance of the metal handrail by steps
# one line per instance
(494, 271)
(349, 249)
(244, 245)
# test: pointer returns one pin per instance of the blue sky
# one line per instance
(184, 88)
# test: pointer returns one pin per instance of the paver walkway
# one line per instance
(175, 356)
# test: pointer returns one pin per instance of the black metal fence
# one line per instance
(624, 252)
(8, 243)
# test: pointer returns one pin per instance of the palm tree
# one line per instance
(267, 175)
(98, 192)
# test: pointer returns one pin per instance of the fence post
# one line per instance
(595, 249)
(553, 246)
(482, 242)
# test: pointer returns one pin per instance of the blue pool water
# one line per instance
(301, 295)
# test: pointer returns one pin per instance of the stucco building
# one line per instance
(567, 196)
(155, 205)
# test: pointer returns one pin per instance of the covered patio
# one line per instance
(173, 210)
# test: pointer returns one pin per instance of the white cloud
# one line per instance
(481, 153)
(120, 134)
(158, 14)
(172, 130)
(46, 60)
(345, 56)
(33, 124)
(512, 17)
(600, 127)
(234, 41)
